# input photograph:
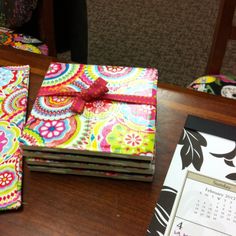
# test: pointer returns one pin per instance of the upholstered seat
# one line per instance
(21, 41)
(222, 85)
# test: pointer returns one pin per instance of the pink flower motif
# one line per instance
(23, 101)
(133, 139)
(114, 68)
(51, 129)
(6, 178)
(3, 140)
(59, 99)
(98, 106)
(53, 68)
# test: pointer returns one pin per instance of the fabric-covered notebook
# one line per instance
(198, 196)
(13, 101)
(95, 110)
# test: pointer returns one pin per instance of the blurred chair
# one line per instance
(214, 82)
(224, 31)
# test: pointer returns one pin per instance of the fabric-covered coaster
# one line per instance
(13, 102)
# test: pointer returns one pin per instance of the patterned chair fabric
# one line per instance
(13, 14)
(21, 41)
(222, 85)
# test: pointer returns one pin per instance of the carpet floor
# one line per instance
(173, 36)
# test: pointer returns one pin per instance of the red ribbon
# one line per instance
(98, 90)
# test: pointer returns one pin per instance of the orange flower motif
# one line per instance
(133, 139)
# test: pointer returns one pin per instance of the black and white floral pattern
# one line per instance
(191, 152)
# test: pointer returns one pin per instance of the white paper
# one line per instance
(206, 207)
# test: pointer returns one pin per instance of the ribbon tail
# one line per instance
(78, 105)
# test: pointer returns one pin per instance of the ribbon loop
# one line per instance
(96, 90)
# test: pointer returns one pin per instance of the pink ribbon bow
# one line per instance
(95, 91)
(98, 90)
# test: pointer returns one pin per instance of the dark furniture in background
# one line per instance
(41, 25)
(46, 24)
(224, 31)
(71, 28)
(62, 25)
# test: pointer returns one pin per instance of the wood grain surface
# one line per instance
(75, 205)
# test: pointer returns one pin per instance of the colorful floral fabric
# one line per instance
(21, 41)
(217, 84)
(13, 102)
(109, 128)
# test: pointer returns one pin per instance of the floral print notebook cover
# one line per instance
(13, 102)
(105, 127)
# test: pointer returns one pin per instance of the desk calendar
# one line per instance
(198, 196)
(206, 206)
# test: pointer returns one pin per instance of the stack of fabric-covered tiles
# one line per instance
(95, 121)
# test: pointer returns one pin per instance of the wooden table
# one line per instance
(75, 205)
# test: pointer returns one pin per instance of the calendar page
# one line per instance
(206, 207)
(197, 204)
